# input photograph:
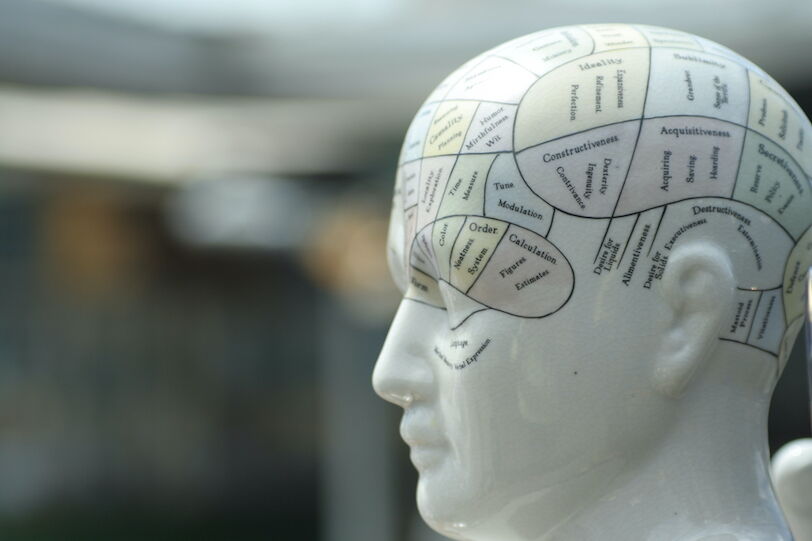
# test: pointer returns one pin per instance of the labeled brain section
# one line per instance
(495, 263)
(646, 136)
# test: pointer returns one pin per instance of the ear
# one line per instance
(699, 287)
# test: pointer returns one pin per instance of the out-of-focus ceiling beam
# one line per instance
(173, 139)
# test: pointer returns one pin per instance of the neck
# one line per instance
(703, 484)
(707, 480)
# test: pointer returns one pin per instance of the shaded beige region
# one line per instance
(423, 288)
(581, 174)
(798, 263)
(681, 157)
(465, 190)
(474, 247)
(444, 233)
(770, 180)
(527, 276)
(774, 115)
(593, 91)
(448, 127)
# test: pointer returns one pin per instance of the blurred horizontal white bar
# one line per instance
(171, 138)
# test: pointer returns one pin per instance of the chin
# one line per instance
(461, 505)
(446, 502)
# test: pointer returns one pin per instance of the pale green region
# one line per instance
(475, 244)
(798, 263)
(773, 115)
(423, 288)
(564, 101)
(770, 181)
(444, 233)
(448, 127)
(465, 192)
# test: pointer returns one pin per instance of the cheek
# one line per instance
(483, 406)
(590, 397)
(541, 401)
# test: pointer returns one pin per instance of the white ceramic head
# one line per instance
(792, 475)
(600, 232)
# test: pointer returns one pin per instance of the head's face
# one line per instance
(501, 409)
(541, 190)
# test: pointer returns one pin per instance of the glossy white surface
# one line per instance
(792, 476)
(596, 305)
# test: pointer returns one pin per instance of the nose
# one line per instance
(403, 373)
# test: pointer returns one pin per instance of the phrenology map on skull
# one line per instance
(652, 134)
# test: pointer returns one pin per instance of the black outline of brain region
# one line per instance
(657, 133)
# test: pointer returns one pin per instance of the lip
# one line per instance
(420, 430)
(424, 457)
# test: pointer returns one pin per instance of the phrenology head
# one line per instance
(582, 218)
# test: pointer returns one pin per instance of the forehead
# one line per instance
(615, 125)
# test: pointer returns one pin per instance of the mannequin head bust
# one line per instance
(600, 232)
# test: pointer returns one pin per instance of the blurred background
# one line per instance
(193, 207)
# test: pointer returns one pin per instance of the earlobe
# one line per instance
(698, 285)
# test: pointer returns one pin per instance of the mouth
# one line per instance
(420, 432)
(425, 457)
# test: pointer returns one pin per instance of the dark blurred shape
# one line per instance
(148, 390)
